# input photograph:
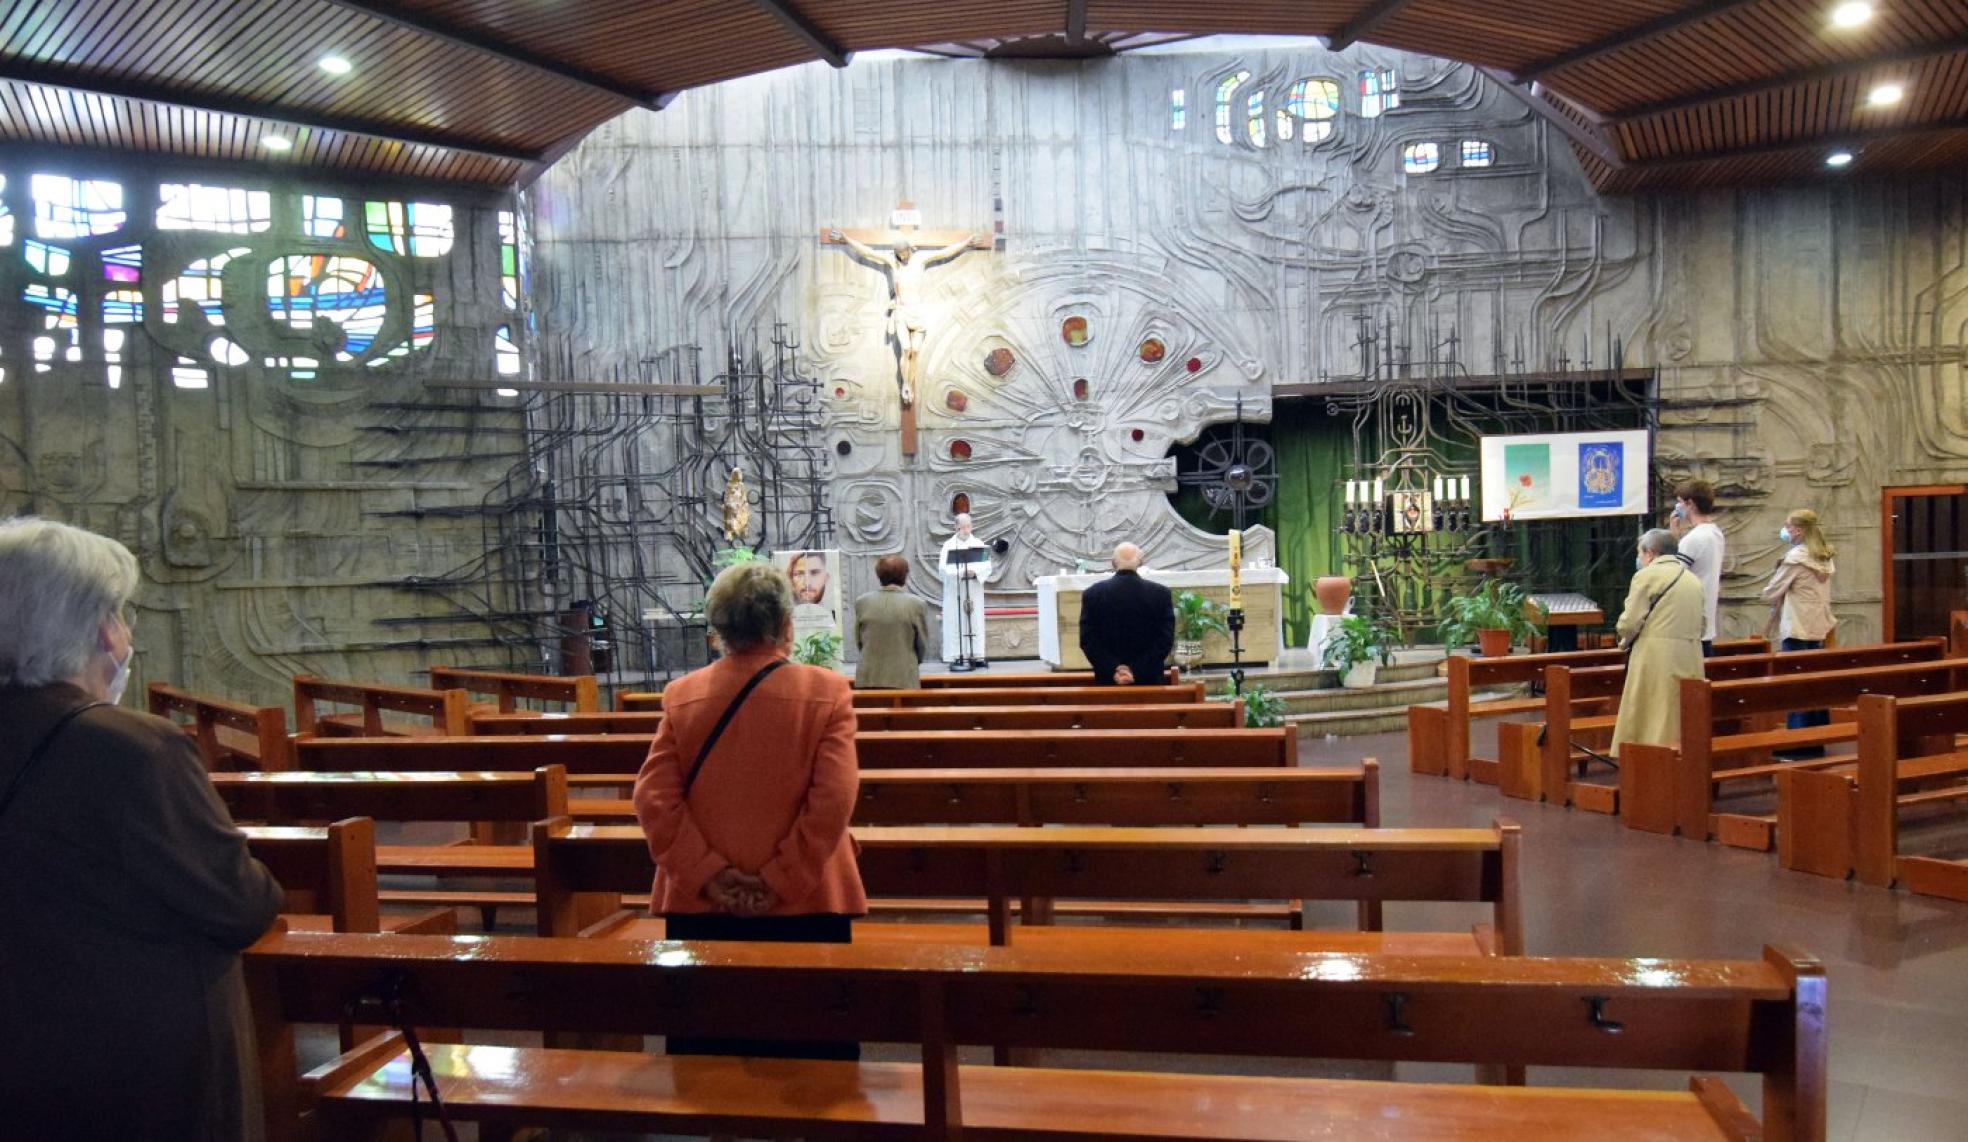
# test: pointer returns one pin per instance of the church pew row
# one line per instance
(1665, 789)
(579, 692)
(613, 759)
(1439, 736)
(582, 871)
(1182, 692)
(1171, 676)
(328, 874)
(230, 735)
(1761, 1018)
(1846, 818)
(1569, 691)
(446, 711)
(1138, 798)
(1203, 715)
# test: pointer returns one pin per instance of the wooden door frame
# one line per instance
(1888, 500)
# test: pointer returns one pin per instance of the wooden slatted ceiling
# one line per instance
(240, 65)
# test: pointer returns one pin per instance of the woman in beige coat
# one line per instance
(1661, 629)
(1799, 594)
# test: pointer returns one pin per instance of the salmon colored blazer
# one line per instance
(773, 798)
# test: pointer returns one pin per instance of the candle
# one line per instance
(1379, 496)
(1236, 570)
(1349, 493)
(1438, 487)
(1465, 490)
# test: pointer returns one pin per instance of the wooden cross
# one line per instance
(906, 318)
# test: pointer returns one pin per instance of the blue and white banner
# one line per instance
(1565, 475)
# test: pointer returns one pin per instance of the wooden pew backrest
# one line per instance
(578, 691)
(297, 796)
(448, 710)
(264, 726)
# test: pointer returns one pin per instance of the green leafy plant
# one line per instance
(821, 648)
(1496, 605)
(1196, 617)
(1356, 639)
(725, 557)
(1263, 707)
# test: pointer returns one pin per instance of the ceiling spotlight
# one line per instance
(277, 143)
(334, 65)
(1851, 15)
(1839, 159)
(1886, 94)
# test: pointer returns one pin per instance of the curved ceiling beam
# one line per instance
(1849, 140)
(1805, 75)
(1076, 22)
(479, 41)
(1592, 140)
(805, 30)
(1362, 25)
(1629, 37)
(30, 71)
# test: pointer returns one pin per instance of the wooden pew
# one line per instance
(1439, 736)
(301, 796)
(449, 711)
(1757, 1017)
(613, 759)
(1665, 789)
(230, 735)
(329, 876)
(1203, 715)
(1184, 692)
(1000, 679)
(583, 870)
(1569, 691)
(577, 691)
(1846, 818)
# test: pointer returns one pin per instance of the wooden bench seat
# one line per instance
(328, 874)
(1189, 715)
(1182, 692)
(1761, 1018)
(996, 679)
(577, 691)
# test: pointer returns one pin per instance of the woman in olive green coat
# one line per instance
(891, 630)
(1661, 629)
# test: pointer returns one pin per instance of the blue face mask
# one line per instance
(1783, 533)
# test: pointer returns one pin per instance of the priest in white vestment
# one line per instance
(955, 647)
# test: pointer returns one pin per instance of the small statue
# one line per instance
(737, 513)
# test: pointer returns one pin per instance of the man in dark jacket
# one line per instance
(1127, 624)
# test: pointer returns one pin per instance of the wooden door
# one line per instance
(1924, 544)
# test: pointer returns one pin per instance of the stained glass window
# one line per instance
(1255, 123)
(6, 223)
(1420, 158)
(509, 259)
(46, 259)
(321, 217)
(505, 352)
(60, 313)
(1224, 91)
(198, 284)
(229, 210)
(1379, 92)
(346, 291)
(420, 229)
(75, 207)
(123, 264)
(112, 342)
(123, 307)
(1178, 109)
(1477, 153)
(1314, 102)
(187, 375)
(225, 352)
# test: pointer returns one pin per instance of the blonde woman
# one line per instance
(1799, 594)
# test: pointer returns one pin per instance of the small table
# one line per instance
(1565, 613)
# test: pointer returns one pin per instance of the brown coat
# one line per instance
(126, 895)
(891, 630)
(1663, 650)
(773, 798)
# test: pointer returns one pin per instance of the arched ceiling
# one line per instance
(1653, 94)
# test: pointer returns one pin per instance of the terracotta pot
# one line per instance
(1493, 643)
(1332, 591)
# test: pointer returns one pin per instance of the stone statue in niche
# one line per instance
(908, 323)
(737, 512)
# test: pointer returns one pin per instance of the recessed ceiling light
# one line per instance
(1851, 15)
(1839, 159)
(1886, 94)
(334, 65)
(277, 143)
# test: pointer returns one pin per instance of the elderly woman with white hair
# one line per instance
(126, 893)
(1661, 628)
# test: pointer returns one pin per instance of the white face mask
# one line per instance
(1783, 533)
(121, 681)
(1639, 563)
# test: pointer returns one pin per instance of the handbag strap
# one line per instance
(1654, 603)
(730, 711)
(40, 748)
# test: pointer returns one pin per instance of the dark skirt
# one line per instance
(818, 928)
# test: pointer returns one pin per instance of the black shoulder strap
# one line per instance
(1655, 602)
(40, 748)
(730, 711)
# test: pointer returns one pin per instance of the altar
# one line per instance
(1059, 612)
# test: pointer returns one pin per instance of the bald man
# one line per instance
(1127, 624)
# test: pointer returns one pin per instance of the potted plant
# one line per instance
(1358, 647)
(821, 648)
(1263, 707)
(1496, 616)
(1196, 618)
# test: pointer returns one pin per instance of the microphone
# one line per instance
(1000, 546)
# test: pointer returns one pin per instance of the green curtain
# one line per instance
(1312, 451)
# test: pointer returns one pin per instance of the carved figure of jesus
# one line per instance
(907, 321)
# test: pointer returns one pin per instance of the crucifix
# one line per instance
(908, 321)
